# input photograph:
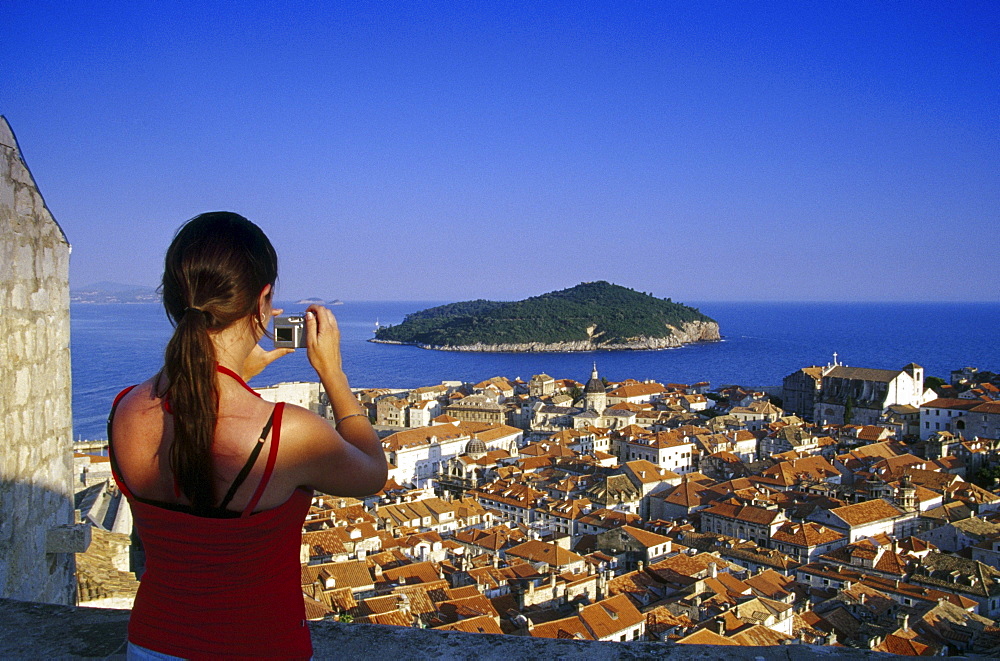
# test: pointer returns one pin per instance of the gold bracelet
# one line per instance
(337, 424)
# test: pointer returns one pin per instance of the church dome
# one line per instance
(594, 385)
(475, 448)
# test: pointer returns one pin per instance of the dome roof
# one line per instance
(475, 446)
(594, 385)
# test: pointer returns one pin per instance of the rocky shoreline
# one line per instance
(689, 333)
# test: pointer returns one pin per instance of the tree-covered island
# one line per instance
(590, 316)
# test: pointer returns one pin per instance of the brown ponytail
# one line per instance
(214, 272)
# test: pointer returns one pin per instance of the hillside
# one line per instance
(588, 317)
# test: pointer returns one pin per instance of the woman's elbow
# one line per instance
(377, 479)
(369, 479)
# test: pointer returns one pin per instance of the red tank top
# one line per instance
(221, 586)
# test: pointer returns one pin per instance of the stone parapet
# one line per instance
(32, 630)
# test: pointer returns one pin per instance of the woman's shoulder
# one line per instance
(138, 397)
(299, 421)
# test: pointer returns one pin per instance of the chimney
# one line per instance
(719, 625)
(904, 621)
(713, 570)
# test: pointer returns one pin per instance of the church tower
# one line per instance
(595, 396)
(907, 495)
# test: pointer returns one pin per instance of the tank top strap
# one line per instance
(115, 473)
(222, 369)
(272, 457)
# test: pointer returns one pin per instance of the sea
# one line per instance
(116, 345)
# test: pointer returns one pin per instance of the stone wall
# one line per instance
(39, 631)
(36, 497)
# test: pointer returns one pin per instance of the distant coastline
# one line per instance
(689, 333)
(115, 293)
(112, 293)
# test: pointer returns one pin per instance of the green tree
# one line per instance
(987, 477)
(849, 410)
(934, 383)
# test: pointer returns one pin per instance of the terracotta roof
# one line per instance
(869, 511)
(951, 403)
(637, 390)
(771, 584)
(648, 472)
(315, 610)
(340, 599)
(466, 607)
(419, 597)
(608, 617)
(418, 572)
(862, 374)
(352, 573)
(550, 553)
(747, 513)
(706, 637)
(689, 565)
(805, 534)
(686, 494)
(480, 624)
(760, 636)
(644, 537)
(395, 618)
(571, 628)
(896, 644)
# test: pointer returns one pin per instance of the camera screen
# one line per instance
(286, 334)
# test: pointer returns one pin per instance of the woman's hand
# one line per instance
(323, 342)
(260, 358)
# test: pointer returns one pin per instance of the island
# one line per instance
(591, 316)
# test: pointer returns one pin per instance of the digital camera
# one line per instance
(290, 331)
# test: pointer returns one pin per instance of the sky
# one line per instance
(702, 151)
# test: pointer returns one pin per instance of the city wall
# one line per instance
(37, 537)
(29, 630)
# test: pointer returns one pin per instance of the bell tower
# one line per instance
(595, 395)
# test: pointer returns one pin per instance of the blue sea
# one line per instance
(114, 346)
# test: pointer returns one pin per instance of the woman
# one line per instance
(219, 480)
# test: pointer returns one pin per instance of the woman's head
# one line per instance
(219, 270)
(217, 267)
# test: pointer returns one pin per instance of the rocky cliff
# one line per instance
(689, 333)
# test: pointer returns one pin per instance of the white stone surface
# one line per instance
(35, 388)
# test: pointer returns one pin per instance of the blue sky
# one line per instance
(448, 151)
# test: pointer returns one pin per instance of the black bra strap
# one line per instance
(251, 460)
